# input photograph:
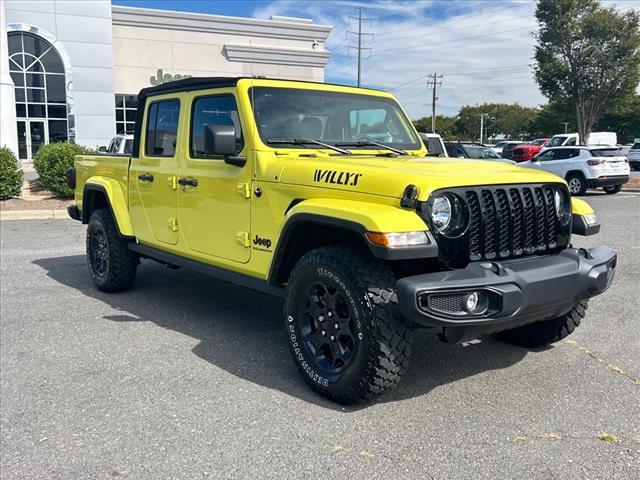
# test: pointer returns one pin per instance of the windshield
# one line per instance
(330, 117)
(481, 153)
(556, 141)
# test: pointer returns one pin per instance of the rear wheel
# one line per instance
(111, 264)
(577, 184)
(546, 332)
(613, 189)
(345, 332)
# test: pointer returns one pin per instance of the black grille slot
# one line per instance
(450, 303)
(506, 222)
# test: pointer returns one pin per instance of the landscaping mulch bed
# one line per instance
(44, 204)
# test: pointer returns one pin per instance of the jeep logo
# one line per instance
(262, 242)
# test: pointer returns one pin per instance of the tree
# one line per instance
(587, 54)
(445, 126)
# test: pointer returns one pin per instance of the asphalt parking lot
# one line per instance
(187, 377)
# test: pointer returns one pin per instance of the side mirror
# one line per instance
(102, 149)
(221, 140)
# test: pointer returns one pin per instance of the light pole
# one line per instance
(482, 115)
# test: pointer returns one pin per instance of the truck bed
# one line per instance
(110, 166)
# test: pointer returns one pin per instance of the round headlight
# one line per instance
(563, 207)
(441, 213)
(449, 215)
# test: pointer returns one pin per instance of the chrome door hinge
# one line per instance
(243, 239)
(173, 224)
(173, 181)
(244, 189)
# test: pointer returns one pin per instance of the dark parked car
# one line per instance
(473, 151)
(507, 149)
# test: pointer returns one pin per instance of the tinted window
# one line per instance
(565, 153)
(606, 152)
(636, 146)
(162, 128)
(548, 155)
(217, 110)
(434, 146)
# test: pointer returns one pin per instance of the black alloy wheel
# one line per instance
(327, 325)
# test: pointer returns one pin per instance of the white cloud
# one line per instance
(483, 49)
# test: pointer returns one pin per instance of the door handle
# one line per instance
(190, 182)
(145, 177)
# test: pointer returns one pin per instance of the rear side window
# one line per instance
(162, 128)
(215, 110)
(635, 146)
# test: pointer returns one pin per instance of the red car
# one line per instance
(522, 153)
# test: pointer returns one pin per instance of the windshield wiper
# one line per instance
(303, 141)
(365, 143)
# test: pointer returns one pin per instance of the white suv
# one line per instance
(584, 167)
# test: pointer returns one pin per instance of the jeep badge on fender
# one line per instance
(423, 242)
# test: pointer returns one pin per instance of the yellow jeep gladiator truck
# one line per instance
(324, 195)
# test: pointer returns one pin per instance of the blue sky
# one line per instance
(483, 48)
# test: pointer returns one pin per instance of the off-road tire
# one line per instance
(384, 341)
(577, 184)
(118, 271)
(543, 333)
(612, 190)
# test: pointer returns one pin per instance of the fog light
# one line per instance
(476, 302)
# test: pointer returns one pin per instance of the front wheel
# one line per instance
(345, 332)
(543, 333)
(111, 264)
(613, 189)
(577, 184)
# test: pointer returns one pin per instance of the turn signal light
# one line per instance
(398, 239)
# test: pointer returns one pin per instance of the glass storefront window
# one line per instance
(126, 106)
(37, 72)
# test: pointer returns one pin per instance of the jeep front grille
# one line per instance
(505, 221)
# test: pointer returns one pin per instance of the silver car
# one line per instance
(634, 156)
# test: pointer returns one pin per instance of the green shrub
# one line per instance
(52, 162)
(10, 175)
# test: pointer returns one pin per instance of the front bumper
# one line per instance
(608, 181)
(519, 291)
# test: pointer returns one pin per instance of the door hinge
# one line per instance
(173, 181)
(243, 239)
(173, 224)
(244, 189)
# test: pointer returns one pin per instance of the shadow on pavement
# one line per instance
(240, 331)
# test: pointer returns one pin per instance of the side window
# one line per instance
(162, 128)
(215, 110)
(548, 155)
(563, 154)
(571, 141)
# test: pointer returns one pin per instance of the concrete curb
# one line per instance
(33, 214)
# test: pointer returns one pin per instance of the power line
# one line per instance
(359, 48)
(463, 41)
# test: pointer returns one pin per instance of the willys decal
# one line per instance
(338, 178)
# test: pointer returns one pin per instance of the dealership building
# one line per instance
(71, 70)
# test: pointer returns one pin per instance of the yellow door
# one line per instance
(215, 212)
(153, 175)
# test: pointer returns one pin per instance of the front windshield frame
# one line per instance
(404, 123)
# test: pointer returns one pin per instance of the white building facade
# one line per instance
(76, 67)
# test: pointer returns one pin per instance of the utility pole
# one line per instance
(434, 81)
(482, 115)
(359, 48)
(566, 124)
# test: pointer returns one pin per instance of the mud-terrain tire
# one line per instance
(577, 184)
(612, 190)
(543, 333)
(346, 293)
(111, 264)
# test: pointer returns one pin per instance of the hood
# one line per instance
(389, 176)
